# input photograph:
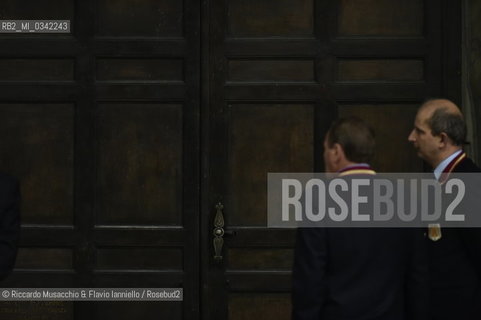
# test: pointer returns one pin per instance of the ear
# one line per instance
(338, 152)
(444, 139)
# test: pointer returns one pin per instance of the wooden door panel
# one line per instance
(41, 9)
(270, 70)
(380, 70)
(139, 161)
(45, 258)
(104, 132)
(146, 72)
(57, 310)
(264, 137)
(381, 18)
(259, 306)
(137, 69)
(145, 18)
(250, 18)
(40, 150)
(385, 50)
(140, 310)
(143, 258)
(37, 69)
(259, 258)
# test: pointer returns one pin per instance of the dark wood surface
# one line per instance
(127, 132)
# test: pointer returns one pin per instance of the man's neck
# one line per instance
(445, 154)
(445, 164)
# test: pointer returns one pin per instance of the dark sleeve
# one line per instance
(417, 278)
(308, 274)
(471, 238)
(9, 225)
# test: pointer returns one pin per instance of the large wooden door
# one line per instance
(127, 132)
(102, 127)
(280, 72)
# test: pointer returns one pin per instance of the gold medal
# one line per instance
(434, 231)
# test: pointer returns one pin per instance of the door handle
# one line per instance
(219, 232)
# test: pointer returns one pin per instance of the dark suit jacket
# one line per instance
(360, 273)
(455, 269)
(9, 223)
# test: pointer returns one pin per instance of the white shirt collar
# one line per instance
(440, 168)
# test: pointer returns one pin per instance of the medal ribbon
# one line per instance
(434, 230)
(356, 170)
(451, 166)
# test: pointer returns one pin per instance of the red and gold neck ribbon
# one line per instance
(356, 170)
(450, 167)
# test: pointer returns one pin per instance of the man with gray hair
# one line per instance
(454, 253)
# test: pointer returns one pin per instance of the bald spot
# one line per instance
(432, 105)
